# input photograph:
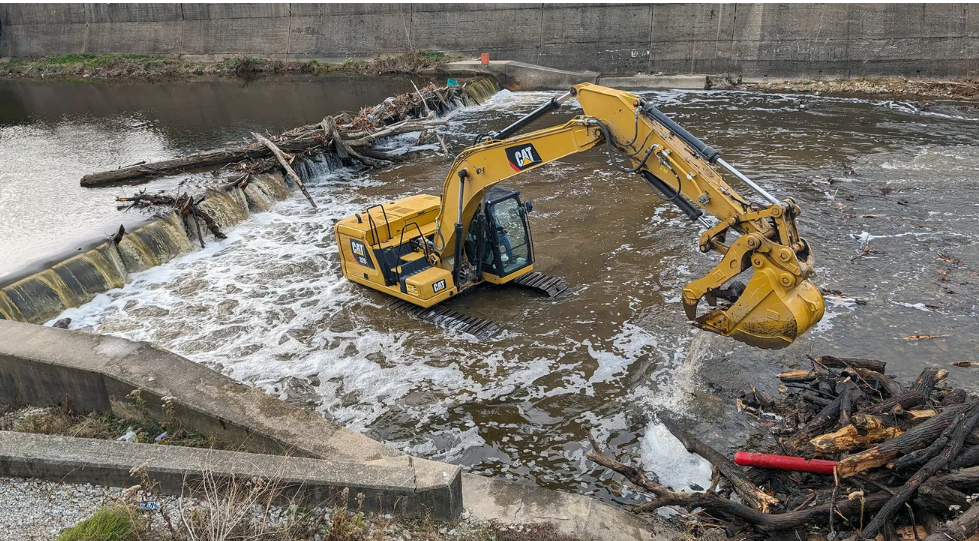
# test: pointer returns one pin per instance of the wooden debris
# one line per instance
(726, 466)
(924, 336)
(906, 458)
(286, 162)
(864, 431)
(404, 113)
(965, 364)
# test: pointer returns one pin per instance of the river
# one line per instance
(891, 206)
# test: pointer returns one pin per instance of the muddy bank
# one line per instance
(923, 90)
(174, 67)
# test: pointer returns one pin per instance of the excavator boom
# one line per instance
(477, 232)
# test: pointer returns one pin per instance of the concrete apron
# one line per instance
(44, 366)
(522, 76)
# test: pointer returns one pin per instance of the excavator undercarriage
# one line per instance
(426, 249)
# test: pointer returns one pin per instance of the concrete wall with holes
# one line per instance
(757, 40)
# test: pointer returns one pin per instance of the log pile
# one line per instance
(905, 457)
(352, 137)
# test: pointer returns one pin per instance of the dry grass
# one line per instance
(63, 421)
(258, 509)
(963, 88)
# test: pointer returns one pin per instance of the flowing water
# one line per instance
(891, 204)
(52, 134)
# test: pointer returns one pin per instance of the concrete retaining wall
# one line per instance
(179, 470)
(43, 366)
(751, 39)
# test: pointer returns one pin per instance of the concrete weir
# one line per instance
(312, 457)
(77, 280)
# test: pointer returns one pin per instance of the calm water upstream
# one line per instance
(268, 304)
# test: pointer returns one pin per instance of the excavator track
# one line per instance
(551, 286)
(448, 318)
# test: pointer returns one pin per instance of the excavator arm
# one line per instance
(776, 305)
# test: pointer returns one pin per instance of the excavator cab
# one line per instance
(499, 238)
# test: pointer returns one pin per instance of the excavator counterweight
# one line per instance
(426, 249)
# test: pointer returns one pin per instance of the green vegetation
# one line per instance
(115, 523)
(156, 67)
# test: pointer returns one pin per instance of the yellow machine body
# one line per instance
(367, 239)
(425, 249)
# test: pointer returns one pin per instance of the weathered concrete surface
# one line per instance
(387, 488)
(46, 366)
(572, 514)
(522, 76)
(774, 40)
(655, 82)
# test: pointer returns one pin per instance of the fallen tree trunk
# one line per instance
(249, 151)
(726, 466)
(182, 164)
(402, 114)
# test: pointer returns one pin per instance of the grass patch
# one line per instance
(115, 523)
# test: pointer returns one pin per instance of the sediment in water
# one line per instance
(77, 280)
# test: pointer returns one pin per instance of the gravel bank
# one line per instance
(35, 510)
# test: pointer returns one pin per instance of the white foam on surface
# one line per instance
(663, 454)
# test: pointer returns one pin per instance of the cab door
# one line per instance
(508, 234)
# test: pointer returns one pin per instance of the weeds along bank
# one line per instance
(162, 67)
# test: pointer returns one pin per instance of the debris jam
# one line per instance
(854, 453)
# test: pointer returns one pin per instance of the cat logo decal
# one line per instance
(522, 156)
(360, 253)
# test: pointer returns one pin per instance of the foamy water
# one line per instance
(268, 304)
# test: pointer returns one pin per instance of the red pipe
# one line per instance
(781, 462)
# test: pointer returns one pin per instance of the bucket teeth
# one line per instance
(450, 319)
(551, 286)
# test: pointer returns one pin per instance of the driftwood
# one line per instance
(918, 393)
(885, 383)
(901, 473)
(864, 431)
(718, 506)
(286, 162)
(402, 114)
(912, 440)
(966, 459)
(959, 529)
(966, 421)
(844, 362)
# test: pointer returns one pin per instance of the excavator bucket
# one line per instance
(767, 314)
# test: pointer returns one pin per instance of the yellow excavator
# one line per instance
(425, 249)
